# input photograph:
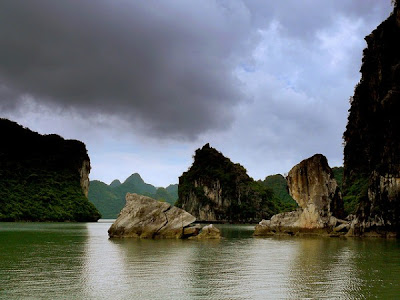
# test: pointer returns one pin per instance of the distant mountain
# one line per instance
(110, 199)
(115, 183)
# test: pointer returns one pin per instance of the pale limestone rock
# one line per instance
(144, 217)
(192, 230)
(84, 175)
(208, 232)
(312, 186)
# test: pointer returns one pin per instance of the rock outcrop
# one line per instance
(43, 177)
(110, 199)
(144, 217)
(208, 232)
(216, 189)
(372, 136)
(313, 187)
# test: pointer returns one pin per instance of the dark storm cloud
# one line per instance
(168, 66)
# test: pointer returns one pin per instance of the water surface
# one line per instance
(78, 261)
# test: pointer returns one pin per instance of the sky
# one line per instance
(145, 83)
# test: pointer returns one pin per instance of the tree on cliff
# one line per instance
(216, 189)
(41, 177)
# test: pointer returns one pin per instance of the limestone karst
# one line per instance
(312, 185)
(372, 136)
(147, 218)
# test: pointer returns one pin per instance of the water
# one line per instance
(78, 261)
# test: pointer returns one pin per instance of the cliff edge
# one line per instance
(43, 177)
(372, 136)
(216, 189)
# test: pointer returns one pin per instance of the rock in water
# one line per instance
(216, 189)
(372, 136)
(144, 217)
(313, 187)
(208, 232)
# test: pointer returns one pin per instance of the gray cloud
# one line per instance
(168, 66)
(266, 82)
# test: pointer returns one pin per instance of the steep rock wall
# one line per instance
(372, 136)
(43, 177)
(216, 189)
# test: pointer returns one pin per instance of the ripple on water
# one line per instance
(78, 261)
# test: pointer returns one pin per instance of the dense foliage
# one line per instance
(110, 199)
(278, 184)
(39, 177)
(244, 200)
(355, 192)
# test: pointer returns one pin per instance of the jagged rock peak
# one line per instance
(216, 189)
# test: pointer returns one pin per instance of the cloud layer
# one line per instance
(265, 82)
(165, 66)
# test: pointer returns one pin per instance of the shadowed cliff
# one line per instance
(216, 189)
(372, 136)
(43, 177)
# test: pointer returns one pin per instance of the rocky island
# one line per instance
(144, 217)
(43, 177)
(312, 185)
(215, 189)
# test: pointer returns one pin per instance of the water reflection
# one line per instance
(78, 261)
(40, 261)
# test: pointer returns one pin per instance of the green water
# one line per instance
(78, 261)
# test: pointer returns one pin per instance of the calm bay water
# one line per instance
(78, 261)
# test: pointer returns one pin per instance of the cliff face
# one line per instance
(43, 177)
(84, 175)
(372, 136)
(312, 185)
(215, 189)
(311, 182)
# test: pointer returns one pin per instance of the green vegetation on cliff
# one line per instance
(40, 177)
(216, 189)
(372, 136)
(110, 199)
(354, 193)
(278, 184)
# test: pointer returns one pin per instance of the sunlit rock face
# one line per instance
(372, 136)
(84, 175)
(144, 217)
(312, 185)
